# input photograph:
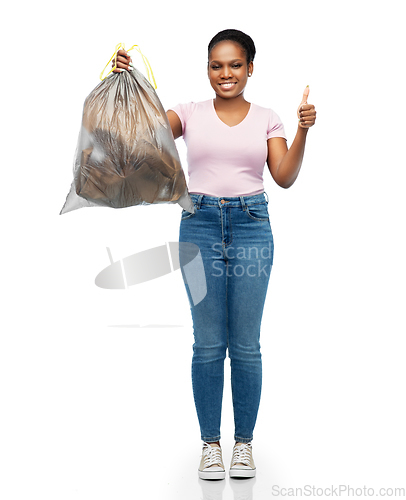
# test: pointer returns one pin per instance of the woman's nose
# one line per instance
(226, 73)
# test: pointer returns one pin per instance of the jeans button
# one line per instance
(222, 201)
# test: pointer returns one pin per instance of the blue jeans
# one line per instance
(236, 245)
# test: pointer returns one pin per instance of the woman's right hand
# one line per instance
(123, 61)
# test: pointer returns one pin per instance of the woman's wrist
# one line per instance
(301, 133)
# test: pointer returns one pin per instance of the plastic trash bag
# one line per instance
(126, 154)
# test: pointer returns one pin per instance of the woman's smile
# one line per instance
(227, 85)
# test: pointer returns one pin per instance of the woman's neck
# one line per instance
(230, 105)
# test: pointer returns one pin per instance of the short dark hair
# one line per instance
(245, 41)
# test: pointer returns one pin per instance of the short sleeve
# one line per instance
(275, 126)
(184, 111)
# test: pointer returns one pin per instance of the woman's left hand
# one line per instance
(306, 112)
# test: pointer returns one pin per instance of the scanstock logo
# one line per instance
(156, 262)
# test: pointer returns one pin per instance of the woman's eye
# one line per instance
(234, 66)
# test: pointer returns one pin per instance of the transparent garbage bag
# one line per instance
(126, 154)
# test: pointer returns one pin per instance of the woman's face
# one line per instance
(228, 69)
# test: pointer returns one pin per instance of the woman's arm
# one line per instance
(283, 163)
(175, 123)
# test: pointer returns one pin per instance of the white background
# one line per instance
(93, 406)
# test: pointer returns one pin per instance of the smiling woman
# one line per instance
(229, 140)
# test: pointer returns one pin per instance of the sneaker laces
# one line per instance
(242, 454)
(211, 455)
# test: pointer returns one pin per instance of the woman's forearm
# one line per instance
(289, 167)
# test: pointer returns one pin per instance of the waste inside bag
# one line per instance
(126, 154)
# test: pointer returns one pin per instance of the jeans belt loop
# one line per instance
(267, 197)
(243, 203)
(199, 201)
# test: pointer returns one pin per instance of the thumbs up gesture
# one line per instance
(306, 112)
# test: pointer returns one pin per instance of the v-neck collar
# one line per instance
(225, 124)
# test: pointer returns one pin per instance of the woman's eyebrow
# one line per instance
(232, 61)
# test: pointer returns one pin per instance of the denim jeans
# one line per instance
(236, 245)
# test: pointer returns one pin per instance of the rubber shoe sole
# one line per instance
(212, 473)
(241, 471)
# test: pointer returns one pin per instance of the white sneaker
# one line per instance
(242, 463)
(211, 464)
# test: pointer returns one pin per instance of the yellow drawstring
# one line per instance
(114, 56)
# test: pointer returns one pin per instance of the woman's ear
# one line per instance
(250, 68)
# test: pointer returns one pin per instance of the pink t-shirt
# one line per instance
(223, 160)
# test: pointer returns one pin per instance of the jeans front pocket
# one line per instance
(258, 212)
(187, 215)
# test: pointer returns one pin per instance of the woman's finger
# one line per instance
(122, 62)
(306, 107)
(308, 114)
(121, 59)
(306, 123)
(307, 118)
